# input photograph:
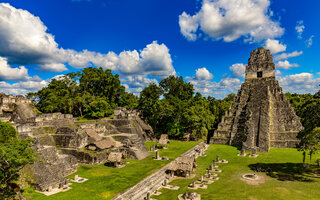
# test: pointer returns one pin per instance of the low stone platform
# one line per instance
(171, 187)
(56, 190)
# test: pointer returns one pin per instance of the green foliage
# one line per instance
(92, 92)
(7, 132)
(219, 107)
(198, 118)
(307, 107)
(173, 109)
(128, 100)
(15, 153)
(98, 108)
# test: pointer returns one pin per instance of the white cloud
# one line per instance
(286, 65)
(309, 41)
(188, 26)
(238, 70)
(231, 19)
(274, 46)
(53, 67)
(24, 40)
(12, 74)
(156, 60)
(278, 73)
(203, 74)
(22, 87)
(208, 87)
(300, 28)
(284, 56)
(23, 37)
(300, 83)
(136, 83)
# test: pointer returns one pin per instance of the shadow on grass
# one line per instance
(288, 171)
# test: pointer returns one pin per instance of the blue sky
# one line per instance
(207, 42)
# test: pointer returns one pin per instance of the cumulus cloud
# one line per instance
(286, 65)
(22, 87)
(300, 28)
(238, 70)
(219, 89)
(135, 84)
(203, 74)
(284, 56)
(300, 83)
(231, 19)
(24, 40)
(309, 41)
(278, 72)
(274, 46)
(8, 73)
(53, 67)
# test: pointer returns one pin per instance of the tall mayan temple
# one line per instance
(260, 116)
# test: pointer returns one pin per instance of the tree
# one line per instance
(149, 104)
(197, 118)
(129, 101)
(15, 153)
(78, 92)
(310, 143)
(98, 108)
(307, 107)
(176, 87)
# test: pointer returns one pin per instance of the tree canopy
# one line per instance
(173, 108)
(15, 153)
(91, 93)
(307, 107)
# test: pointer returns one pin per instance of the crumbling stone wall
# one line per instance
(260, 116)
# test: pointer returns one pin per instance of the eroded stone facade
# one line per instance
(260, 116)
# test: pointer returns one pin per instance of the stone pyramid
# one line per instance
(260, 116)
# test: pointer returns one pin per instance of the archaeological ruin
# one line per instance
(260, 116)
(62, 142)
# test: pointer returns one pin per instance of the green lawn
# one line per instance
(106, 183)
(287, 180)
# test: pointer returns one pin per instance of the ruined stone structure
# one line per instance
(158, 179)
(260, 116)
(15, 108)
(62, 142)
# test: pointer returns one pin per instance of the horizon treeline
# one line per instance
(172, 107)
